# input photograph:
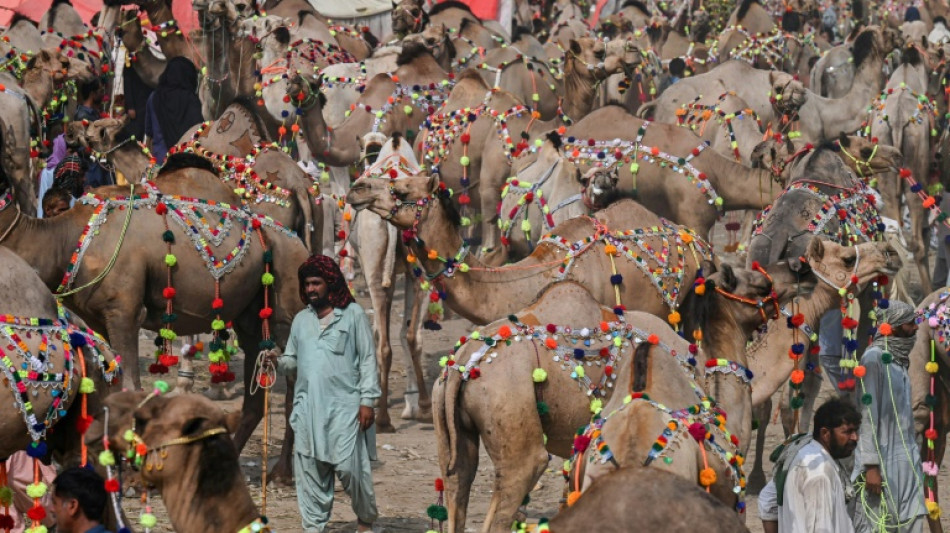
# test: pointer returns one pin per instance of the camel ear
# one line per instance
(232, 421)
(580, 177)
(924, 42)
(843, 140)
(709, 268)
(728, 281)
(152, 409)
(433, 185)
(816, 249)
(575, 47)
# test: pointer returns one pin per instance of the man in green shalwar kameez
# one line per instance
(332, 353)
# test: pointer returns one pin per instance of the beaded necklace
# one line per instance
(925, 110)
(768, 46)
(609, 153)
(424, 97)
(695, 114)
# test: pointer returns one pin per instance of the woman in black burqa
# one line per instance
(174, 107)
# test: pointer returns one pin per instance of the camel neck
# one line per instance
(483, 294)
(130, 161)
(226, 512)
(739, 186)
(46, 244)
(579, 92)
(768, 355)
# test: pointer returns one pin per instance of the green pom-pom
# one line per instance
(161, 387)
(866, 399)
(267, 279)
(171, 260)
(217, 324)
(168, 237)
(6, 496)
(87, 386)
(106, 458)
(797, 402)
(437, 512)
(543, 409)
(887, 358)
(148, 520)
(36, 490)
(539, 375)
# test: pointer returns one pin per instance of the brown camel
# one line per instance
(862, 155)
(227, 75)
(459, 146)
(146, 64)
(122, 301)
(687, 39)
(170, 38)
(28, 297)
(436, 223)
(467, 410)
(903, 117)
(929, 390)
(190, 458)
(642, 496)
(819, 118)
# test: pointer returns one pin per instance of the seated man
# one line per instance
(56, 201)
(79, 501)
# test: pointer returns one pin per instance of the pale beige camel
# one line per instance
(123, 301)
(382, 260)
(62, 22)
(687, 40)
(642, 496)
(190, 457)
(862, 155)
(497, 127)
(228, 74)
(903, 117)
(730, 126)
(24, 35)
(408, 16)
(467, 412)
(436, 222)
(833, 73)
(819, 118)
(750, 19)
(930, 394)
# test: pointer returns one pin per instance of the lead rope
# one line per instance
(265, 375)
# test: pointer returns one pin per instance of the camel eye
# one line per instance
(849, 261)
(600, 54)
(866, 152)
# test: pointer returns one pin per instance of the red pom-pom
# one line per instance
(474, 373)
(756, 265)
(217, 303)
(905, 173)
(883, 280)
(653, 339)
(393, 173)
(83, 423)
(465, 138)
(551, 328)
(161, 208)
(256, 223)
(439, 484)
(849, 323)
(693, 349)
(842, 214)
(266, 313)
(6, 522)
(112, 485)
(798, 319)
(931, 434)
(344, 253)
(37, 514)
(697, 431)
(168, 293)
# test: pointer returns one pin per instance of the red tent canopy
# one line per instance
(34, 10)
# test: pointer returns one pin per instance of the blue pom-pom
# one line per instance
(284, 114)
(740, 506)
(39, 427)
(917, 187)
(810, 367)
(872, 332)
(798, 348)
(571, 139)
(616, 279)
(125, 530)
(883, 303)
(851, 345)
(77, 340)
(618, 311)
(748, 374)
(442, 295)
(578, 353)
(36, 450)
(691, 361)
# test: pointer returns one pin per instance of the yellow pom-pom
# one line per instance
(106, 458)
(933, 510)
(539, 375)
(36, 490)
(674, 318)
(707, 477)
(932, 367)
(610, 249)
(171, 260)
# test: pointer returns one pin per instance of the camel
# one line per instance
(62, 27)
(436, 225)
(228, 75)
(117, 298)
(507, 353)
(819, 118)
(27, 296)
(390, 103)
(189, 457)
(486, 147)
(381, 256)
(903, 117)
(864, 157)
(271, 181)
(23, 35)
(408, 16)
(730, 126)
(833, 73)
(170, 38)
(929, 391)
(641, 496)
(147, 65)
(687, 39)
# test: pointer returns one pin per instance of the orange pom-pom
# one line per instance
(707, 477)
(504, 332)
(550, 343)
(797, 377)
(860, 371)
(885, 329)
(572, 497)
(929, 202)
(653, 339)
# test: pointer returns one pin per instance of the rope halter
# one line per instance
(759, 303)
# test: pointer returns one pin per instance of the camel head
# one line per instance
(595, 60)
(435, 37)
(728, 293)
(269, 31)
(218, 10)
(700, 24)
(599, 186)
(75, 134)
(401, 201)
(100, 135)
(865, 156)
(838, 266)
(186, 435)
(914, 34)
(787, 93)
(59, 66)
(408, 16)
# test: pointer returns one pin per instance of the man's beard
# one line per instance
(318, 302)
(841, 452)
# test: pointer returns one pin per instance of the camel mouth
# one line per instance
(359, 196)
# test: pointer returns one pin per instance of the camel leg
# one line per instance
(756, 480)
(123, 328)
(413, 336)
(382, 301)
(516, 473)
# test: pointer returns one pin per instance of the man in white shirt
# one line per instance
(809, 489)
(940, 35)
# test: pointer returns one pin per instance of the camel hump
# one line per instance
(186, 160)
(566, 304)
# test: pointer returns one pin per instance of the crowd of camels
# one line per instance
(559, 186)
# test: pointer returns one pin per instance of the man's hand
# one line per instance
(271, 356)
(872, 479)
(366, 417)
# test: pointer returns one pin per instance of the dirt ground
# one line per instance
(408, 465)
